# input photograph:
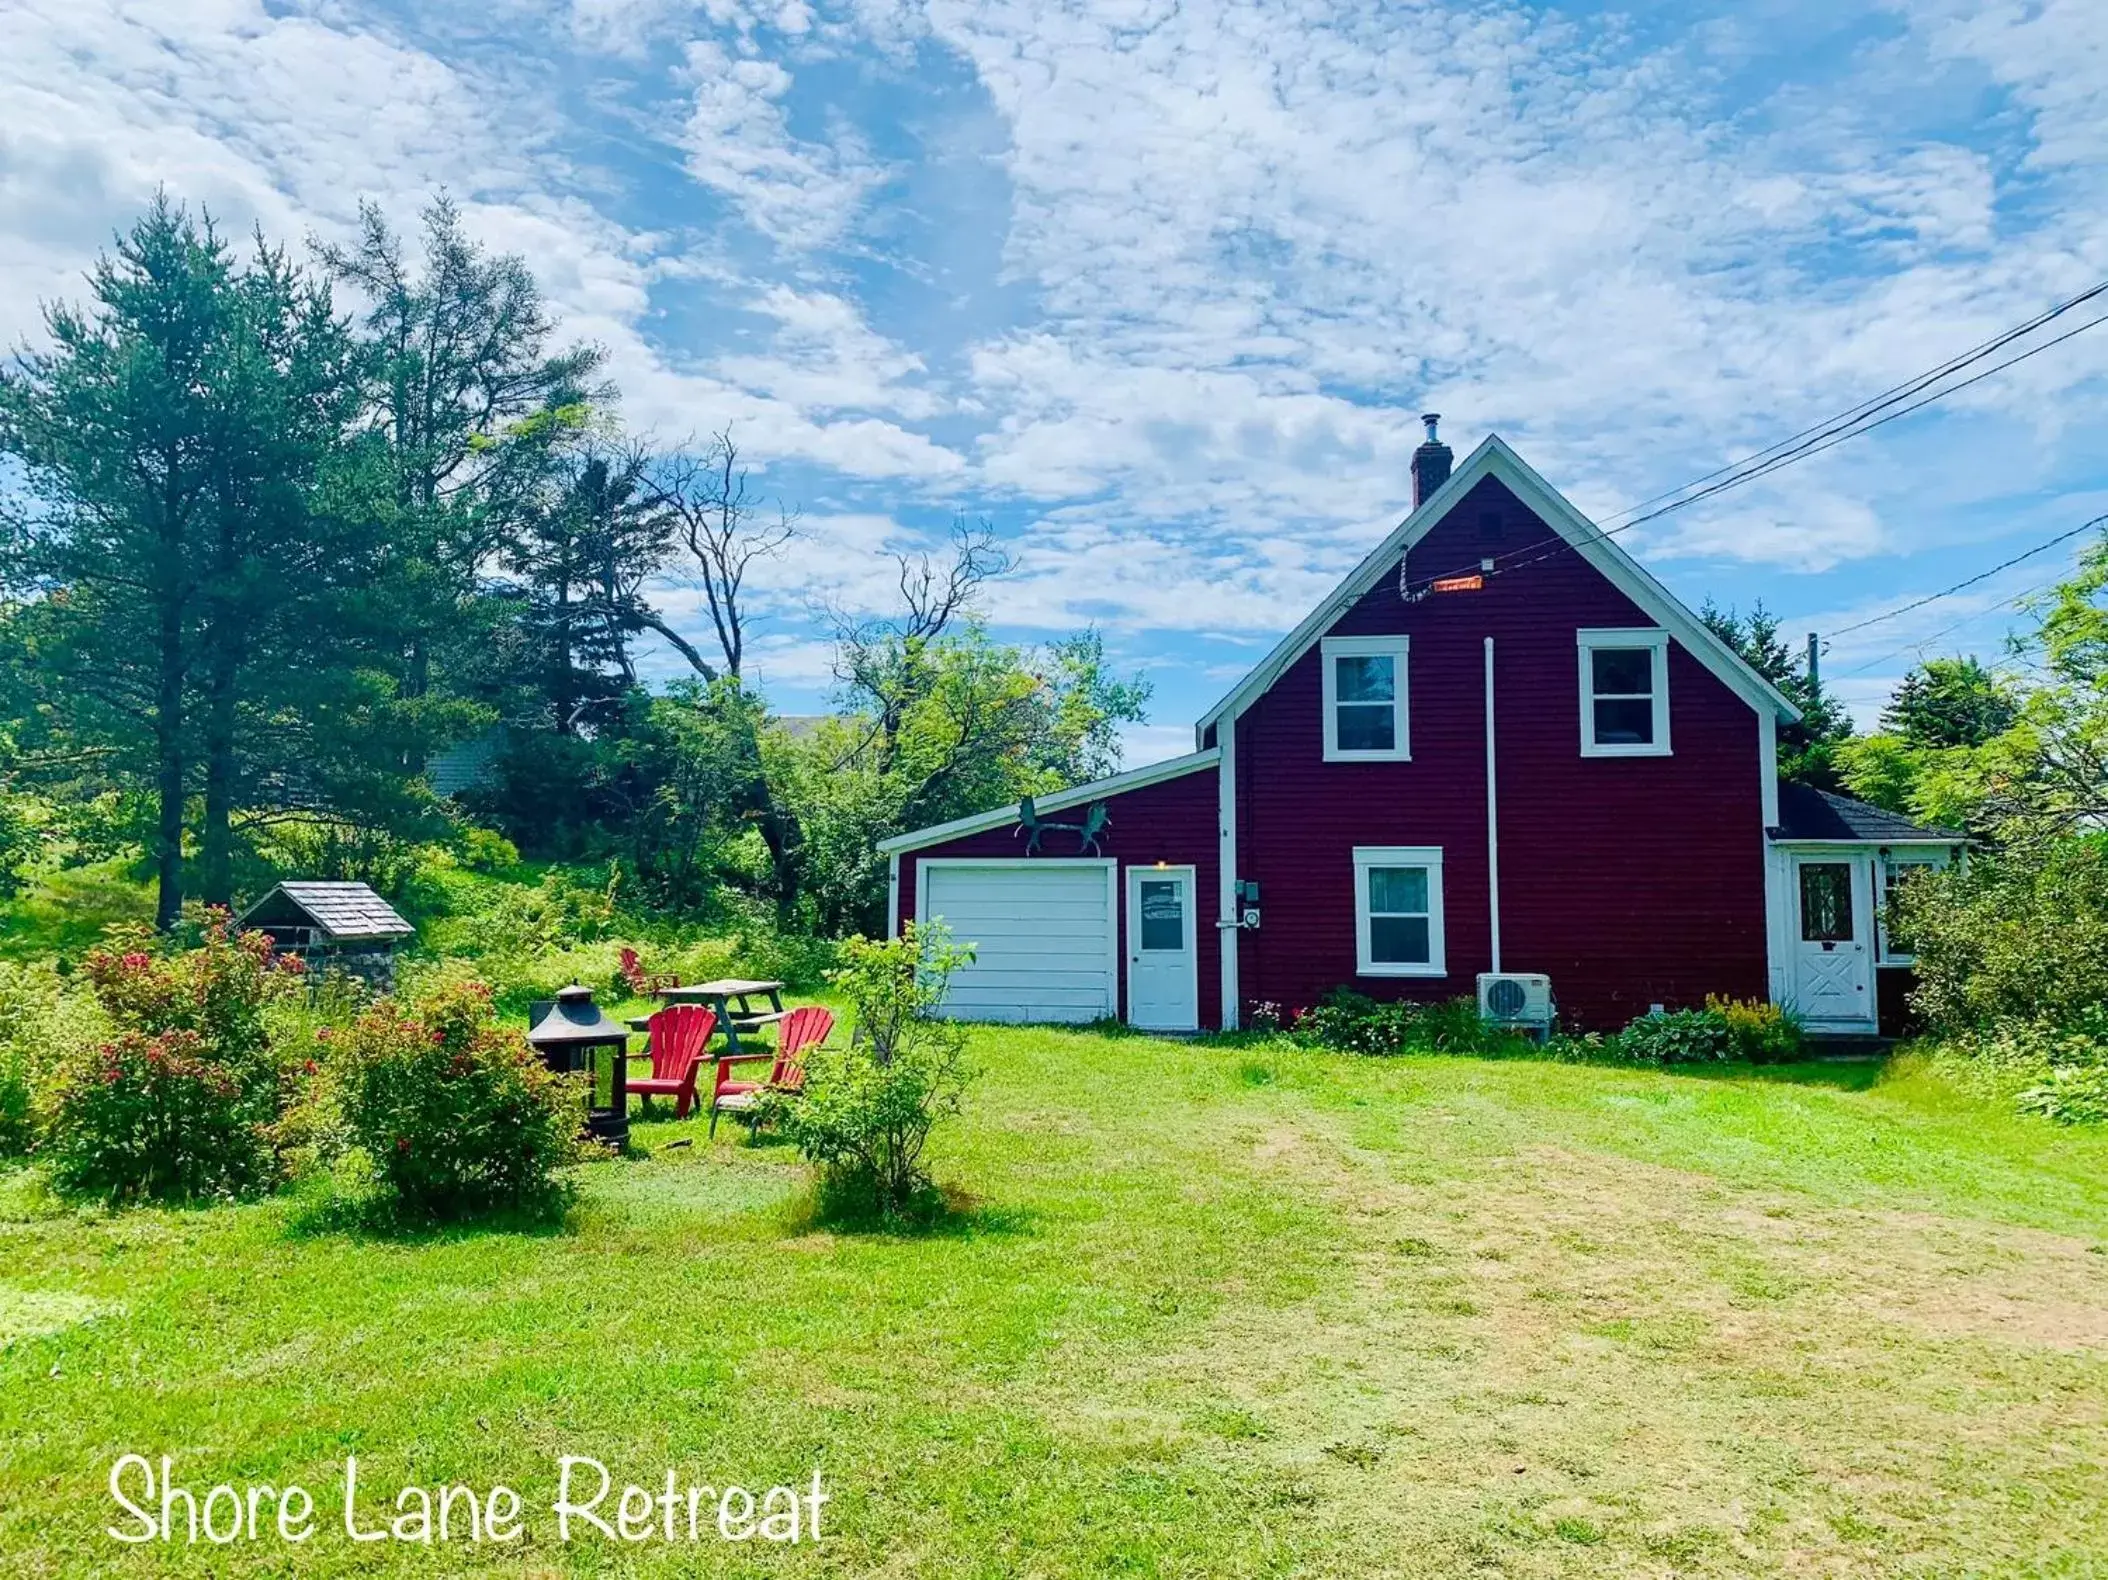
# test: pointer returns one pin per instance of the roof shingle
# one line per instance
(1808, 813)
(342, 910)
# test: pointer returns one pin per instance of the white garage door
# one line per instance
(1042, 936)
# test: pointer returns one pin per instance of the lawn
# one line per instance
(1203, 1309)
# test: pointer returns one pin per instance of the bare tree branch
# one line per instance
(719, 519)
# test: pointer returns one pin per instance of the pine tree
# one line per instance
(1807, 747)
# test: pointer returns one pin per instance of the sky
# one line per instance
(1159, 289)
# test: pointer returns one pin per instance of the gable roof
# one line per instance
(1806, 813)
(342, 910)
(1493, 458)
(1097, 789)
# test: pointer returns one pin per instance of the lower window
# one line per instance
(1398, 911)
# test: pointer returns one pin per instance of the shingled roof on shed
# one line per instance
(342, 911)
(1806, 813)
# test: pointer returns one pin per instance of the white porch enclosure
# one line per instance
(1043, 932)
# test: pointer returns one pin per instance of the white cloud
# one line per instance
(1177, 347)
(799, 194)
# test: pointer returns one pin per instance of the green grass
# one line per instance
(1202, 1310)
(64, 912)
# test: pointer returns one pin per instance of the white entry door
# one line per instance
(1163, 986)
(1833, 956)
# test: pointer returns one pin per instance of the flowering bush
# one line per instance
(456, 1114)
(218, 991)
(155, 1118)
(1761, 1033)
(178, 1102)
(868, 1107)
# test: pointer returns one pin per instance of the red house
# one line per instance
(1499, 749)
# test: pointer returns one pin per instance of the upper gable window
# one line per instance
(1365, 711)
(1624, 693)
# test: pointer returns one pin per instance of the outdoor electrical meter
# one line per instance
(1248, 902)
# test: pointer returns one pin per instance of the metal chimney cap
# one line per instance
(1431, 418)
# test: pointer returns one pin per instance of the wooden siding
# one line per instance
(1172, 821)
(1629, 880)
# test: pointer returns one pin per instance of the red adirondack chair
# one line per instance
(800, 1030)
(680, 1035)
(643, 983)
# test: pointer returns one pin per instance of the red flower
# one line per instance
(309, 1067)
(321, 1034)
(402, 1143)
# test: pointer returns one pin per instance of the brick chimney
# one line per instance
(1430, 462)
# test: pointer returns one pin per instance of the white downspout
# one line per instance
(893, 895)
(1227, 927)
(1492, 818)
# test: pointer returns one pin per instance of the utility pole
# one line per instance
(1815, 680)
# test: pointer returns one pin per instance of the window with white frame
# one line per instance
(1624, 693)
(1398, 911)
(1365, 711)
(1899, 867)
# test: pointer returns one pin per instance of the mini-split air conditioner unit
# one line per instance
(1522, 999)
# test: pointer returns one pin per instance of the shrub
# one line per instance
(1762, 1033)
(2070, 1094)
(218, 990)
(456, 1114)
(29, 1041)
(178, 1103)
(1682, 1036)
(486, 850)
(1355, 1023)
(869, 1106)
(155, 1118)
(2020, 934)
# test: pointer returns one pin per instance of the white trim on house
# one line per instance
(1776, 980)
(1655, 643)
(1229, 927)
(1428, 856)
(1494, 458)
(893, 895)
(1060, 800)
(1107, 865)
(1398, 649)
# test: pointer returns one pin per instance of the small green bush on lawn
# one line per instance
(870, 1103)
(1681, 1036)
(450, 1113)
(29, 1010)
(178, 1103)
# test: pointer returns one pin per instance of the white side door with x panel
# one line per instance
(1833, 947)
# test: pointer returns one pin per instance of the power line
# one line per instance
(1923, 643)
(1964, 586)
(1869, 414)
(1889, 396)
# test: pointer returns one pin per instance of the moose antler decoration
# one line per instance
(1096, 820)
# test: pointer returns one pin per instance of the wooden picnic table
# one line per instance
(724, 995)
